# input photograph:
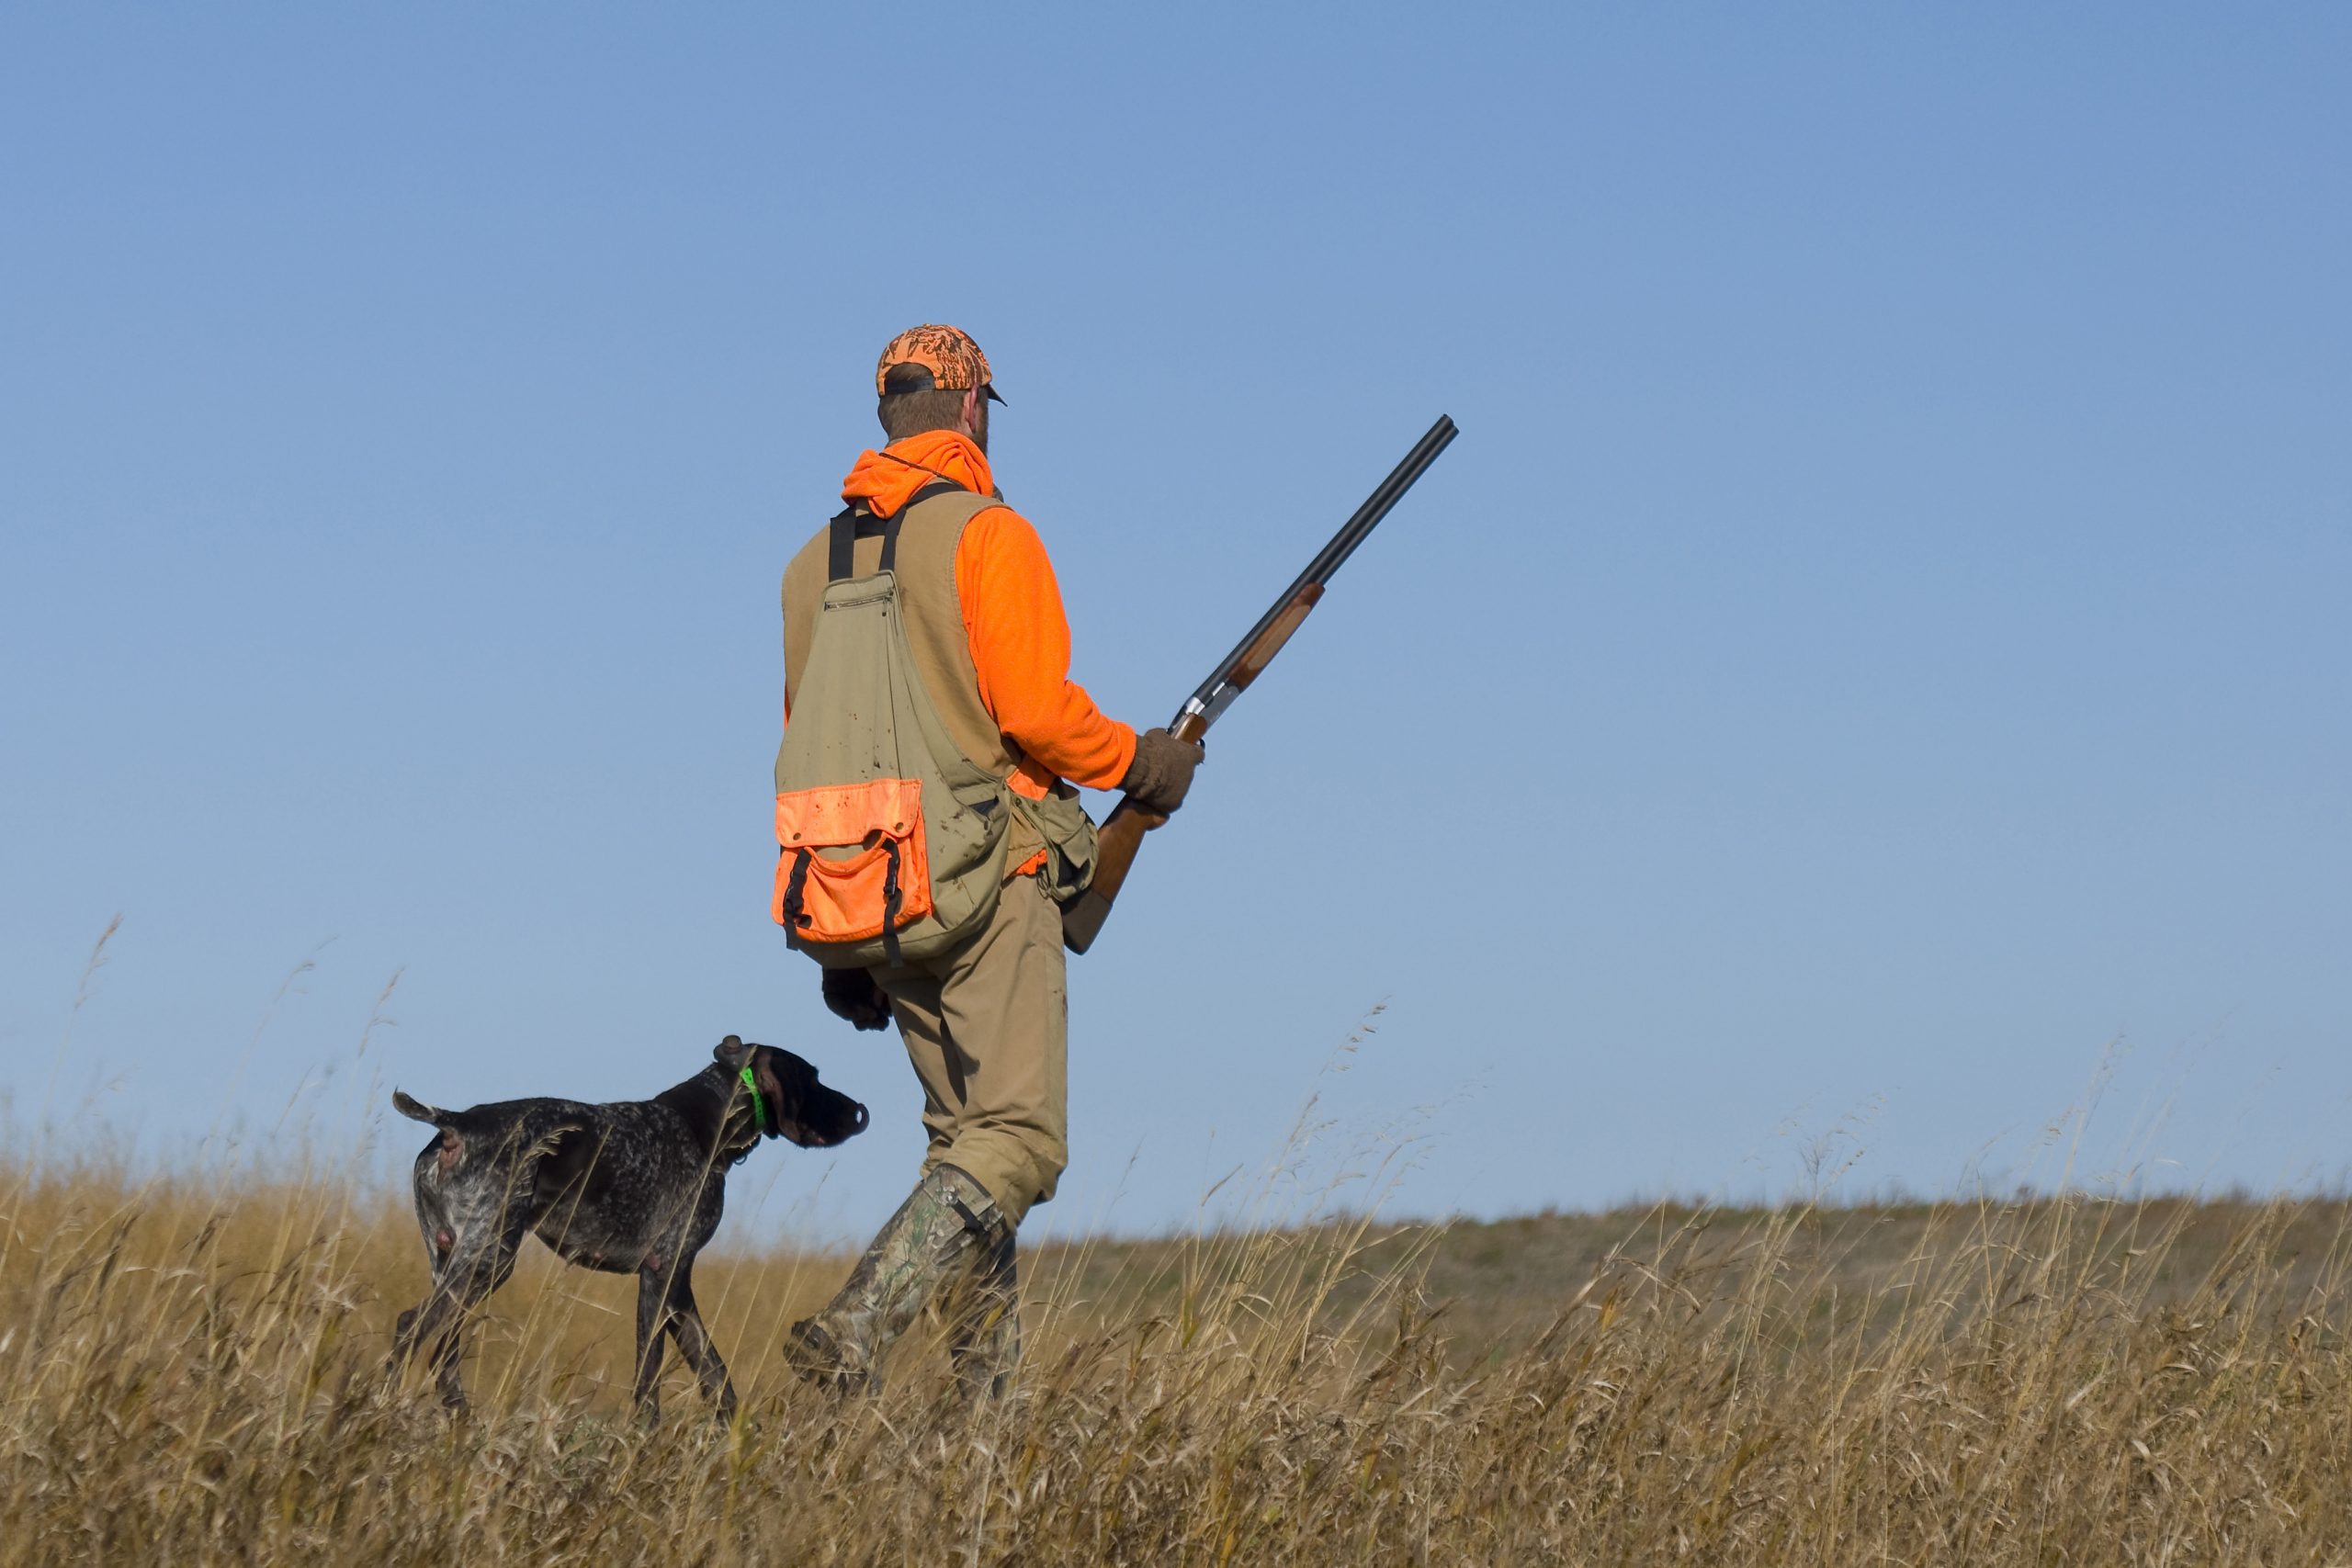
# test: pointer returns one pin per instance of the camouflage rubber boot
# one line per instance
(986, 1341)
(947, 1224)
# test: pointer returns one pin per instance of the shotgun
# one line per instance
(1123, 830)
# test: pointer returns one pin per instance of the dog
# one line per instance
(631, 1187)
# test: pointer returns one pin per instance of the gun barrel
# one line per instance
(1123, 830)
(1210, 697)
(1376, 507)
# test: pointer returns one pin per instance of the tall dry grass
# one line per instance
(191, 1373)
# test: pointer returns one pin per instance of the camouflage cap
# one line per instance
(953, 360)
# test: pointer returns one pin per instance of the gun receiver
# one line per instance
(1123, 830)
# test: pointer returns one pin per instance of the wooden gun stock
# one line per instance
(1114, 850)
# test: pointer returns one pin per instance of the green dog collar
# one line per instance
(759, 1106)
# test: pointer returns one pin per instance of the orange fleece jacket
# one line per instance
(1013, 616)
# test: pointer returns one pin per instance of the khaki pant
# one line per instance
(986, 1025)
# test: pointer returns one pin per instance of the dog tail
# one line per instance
(417, 1110)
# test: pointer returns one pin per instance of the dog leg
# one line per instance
(461, 1284)
(652, 1321)
(447, 1363)
(433, 1322)
(404, 1340)
(694, 1344)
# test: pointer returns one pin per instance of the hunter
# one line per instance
(928, 834)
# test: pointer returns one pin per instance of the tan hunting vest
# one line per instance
(931, 527)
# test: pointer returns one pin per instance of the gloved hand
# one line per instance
(1162, 771)
(852, 994)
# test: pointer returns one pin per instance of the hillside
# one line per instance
(195, 1372)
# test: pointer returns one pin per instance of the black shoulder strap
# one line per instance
(843, 541)
(851, 525)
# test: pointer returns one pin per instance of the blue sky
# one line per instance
(1877, 653)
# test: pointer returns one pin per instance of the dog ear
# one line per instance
(732, 1053)
(782, 1088)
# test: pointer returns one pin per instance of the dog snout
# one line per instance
(844, 1119)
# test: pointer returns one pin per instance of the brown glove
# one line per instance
(1162, 771)
(852, 994)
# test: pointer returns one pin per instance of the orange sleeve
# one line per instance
(1020, 638)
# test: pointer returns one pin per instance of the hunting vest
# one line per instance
(878, 592)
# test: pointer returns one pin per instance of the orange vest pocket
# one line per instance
(851, 863)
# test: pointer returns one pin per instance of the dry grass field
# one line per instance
(191, 1373)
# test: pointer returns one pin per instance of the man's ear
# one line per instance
(732, 1053)
(975, 409)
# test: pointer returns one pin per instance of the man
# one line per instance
(986, 1020)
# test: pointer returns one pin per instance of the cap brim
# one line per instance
(994, 396)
